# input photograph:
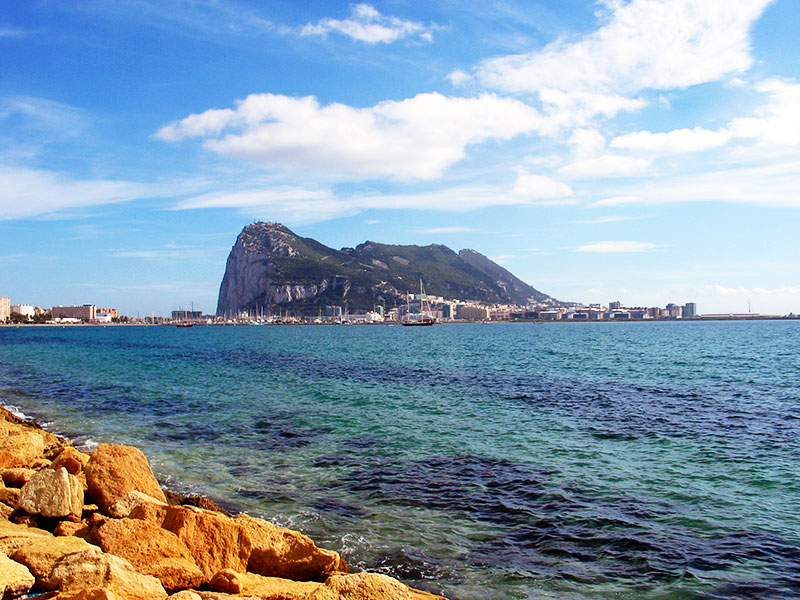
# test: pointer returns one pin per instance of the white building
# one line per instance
(5, 309)
(26, 310)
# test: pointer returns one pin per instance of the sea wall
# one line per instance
(98, 526)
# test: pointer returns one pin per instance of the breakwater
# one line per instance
(502, 461)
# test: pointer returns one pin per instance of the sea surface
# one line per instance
(590, 460)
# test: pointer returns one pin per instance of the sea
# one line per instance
(481, 461)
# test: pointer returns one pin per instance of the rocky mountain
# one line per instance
(272, 268)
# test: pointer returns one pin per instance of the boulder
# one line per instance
(185, 595)
(15, 579)
(79, 529)
(41, 556)
(125, 505)
(9, 496)
(52, 494)
(71, 459)
(13, 537)
(20, 447)
(94, 575)
(155, 512)
(365, 586)
(215, 541)
(5, 511)
(280, 552)
(250, 584)
(113, 471)
(155, 551)
(16, 477)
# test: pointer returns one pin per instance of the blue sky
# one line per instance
(643, 150)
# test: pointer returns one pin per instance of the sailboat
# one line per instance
(424, 317)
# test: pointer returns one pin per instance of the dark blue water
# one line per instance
(596, 460)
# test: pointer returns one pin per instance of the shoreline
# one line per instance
(99, 526)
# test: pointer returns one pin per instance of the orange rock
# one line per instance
(19, 447)
(15, 579)
(216, 542)
(9, 496)
(94, 575)
(71, 459)
(281, 552)
(249, 584)
(13, 536)
(365, 586)
(16, 477)
(152, 550)
(5, 511)
(113, 471)
(79, 529)
(52, 494)
(41, 556)
(125, 505)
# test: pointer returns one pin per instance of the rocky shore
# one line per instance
(78, 526)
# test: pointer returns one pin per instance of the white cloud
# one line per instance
(416, 138)
(643, 44)
(761, 300)
(540, 189)
(676, 141)
(771, 185)
(778, 122)
(29, 192)
(604, 166)
(615, 247)
(368, 25)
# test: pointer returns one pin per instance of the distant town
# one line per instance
(441, 309)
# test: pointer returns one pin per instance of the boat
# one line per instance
(424, 318)
(184, 324)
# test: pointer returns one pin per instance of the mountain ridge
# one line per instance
(272, 268)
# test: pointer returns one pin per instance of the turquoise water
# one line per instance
(596, 460)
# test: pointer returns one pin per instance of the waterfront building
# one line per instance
(26, 310)
(187, 315)
(333, 311)
(86, 312)
(689, 310)
(614, 305)
(5, 309)
(113, 312)
(675, 311)
(469, 312)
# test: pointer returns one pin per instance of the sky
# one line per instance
(646, 151)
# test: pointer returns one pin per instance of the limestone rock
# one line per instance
(9, 496)
(185, 595)
(208, 595)
(41, 556)
(5, 511)
(71, 459)
(69, 528)
(280, 552)
(216, 542)
(113, 471)
(19, 448)
(94, 575)
(125, 505)
(52, 494)
(17, 477)
(13, 537)
(366, 586)
(249, 584)
(152, 550)
(15, 579)
(155, 512)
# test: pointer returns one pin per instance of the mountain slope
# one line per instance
(270, 267)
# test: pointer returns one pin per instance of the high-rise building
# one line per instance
(5, 309)
(84, 313)
(614, 305)
(689, 310)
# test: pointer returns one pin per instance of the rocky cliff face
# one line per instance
(271, 268)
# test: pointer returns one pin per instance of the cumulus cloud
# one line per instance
(778, 121)
(416, 138)
(642, 45)
(368, 25)
(540, 189)
(30, 192)
(615, 247)
(676, 141)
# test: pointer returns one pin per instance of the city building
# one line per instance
(112, 312)
(614, 305)
(187, 315)
(469, 312)
(5, 309)
(87, 312)
(26, 310)
(689, 310)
